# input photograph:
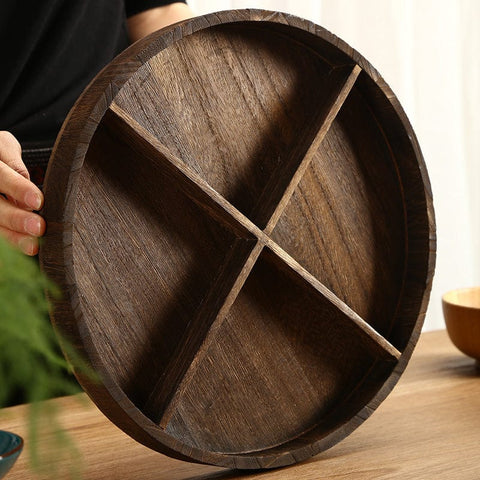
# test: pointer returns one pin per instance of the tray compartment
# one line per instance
(138, 303)
(288, 174)
(176, 171)
(379, 344)
(202, 329)
(296, 357)
(348, 211)
(235, 103)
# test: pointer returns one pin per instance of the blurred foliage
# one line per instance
(30, 359)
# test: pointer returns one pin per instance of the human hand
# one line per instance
(19, 198)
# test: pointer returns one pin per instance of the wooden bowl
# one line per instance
(241, 222)
(461, 309)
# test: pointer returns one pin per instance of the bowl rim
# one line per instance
(15, 449)
(447, 300)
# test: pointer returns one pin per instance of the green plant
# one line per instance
(30, 358)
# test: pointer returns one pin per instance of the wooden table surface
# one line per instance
(427, 428)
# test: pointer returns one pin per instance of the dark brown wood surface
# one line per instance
(241, 222)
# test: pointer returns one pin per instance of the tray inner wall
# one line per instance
(280, 355)
(275, 390)
(235, 103)
(348, 212)
(144, 258)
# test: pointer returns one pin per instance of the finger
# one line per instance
(14, 176)
(18, 204)
(20, 220)
(16, 187)
(27, 244)
(11, 153)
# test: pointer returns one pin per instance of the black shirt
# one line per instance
(50, 50)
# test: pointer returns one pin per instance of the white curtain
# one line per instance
(428, 51)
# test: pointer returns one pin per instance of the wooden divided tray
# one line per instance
(241, 222)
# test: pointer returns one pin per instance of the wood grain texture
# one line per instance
(174, 381)
(346, 209)
(327, 115)
(240, 219)
(311, 362)
(170, 388)
(428, 427)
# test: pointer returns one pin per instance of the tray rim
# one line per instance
(97, 97)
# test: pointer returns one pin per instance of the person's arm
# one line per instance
(19, 197)
(144, 23)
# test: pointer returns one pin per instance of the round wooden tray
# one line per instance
(241, 222)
